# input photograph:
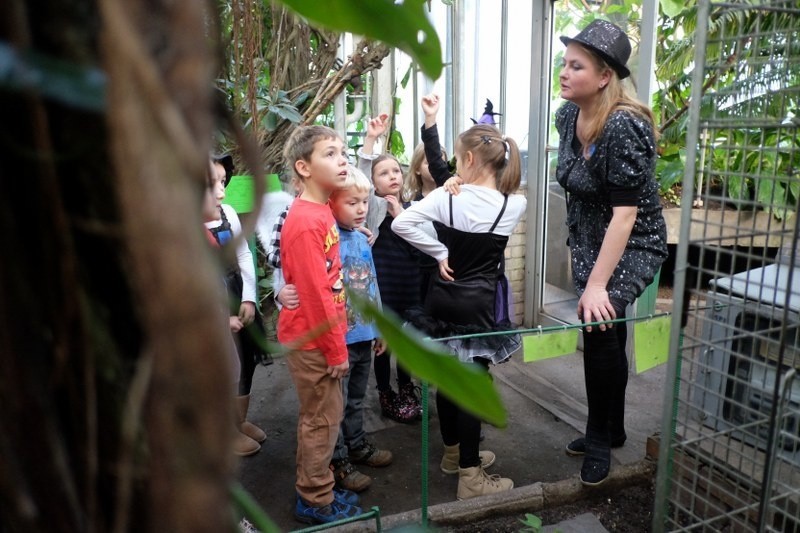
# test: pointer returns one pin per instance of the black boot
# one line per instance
(596, 463)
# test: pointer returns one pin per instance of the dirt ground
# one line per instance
(629, 511)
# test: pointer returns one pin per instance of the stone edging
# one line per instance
(527, 499)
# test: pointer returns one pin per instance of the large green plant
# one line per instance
(748, 172)
(750, 85)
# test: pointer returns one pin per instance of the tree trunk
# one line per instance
(115, 394)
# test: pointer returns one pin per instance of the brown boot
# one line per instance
(347, 477)
(248, 428)
(244, 445)
(475, 481)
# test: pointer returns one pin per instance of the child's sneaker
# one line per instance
(246, 527)
(346, 496)
(393, 407)
(409, 399)
(347, 477)
(368, 454)
(326, 514)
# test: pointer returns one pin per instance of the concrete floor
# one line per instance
(547, 409)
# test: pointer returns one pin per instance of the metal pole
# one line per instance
(646, 76)
(538, 128)
(456, 106)
(340, 102)
(681, 265)
(503, 62)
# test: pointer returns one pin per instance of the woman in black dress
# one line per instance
(617, 235)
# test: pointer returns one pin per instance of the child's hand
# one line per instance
(339, 371)
(235, 324)
(288, 297)
(445, 271)
(379, 347)
(393, 205)
(453, 185)
(247, 313)
(370, 236)
(430, 105)
(377, 126)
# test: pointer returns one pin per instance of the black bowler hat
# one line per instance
(608, 41)
(226, 160)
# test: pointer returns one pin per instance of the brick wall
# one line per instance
(515, 268)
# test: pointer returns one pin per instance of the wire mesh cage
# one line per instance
(730, 453)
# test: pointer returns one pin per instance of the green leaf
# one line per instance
(794, 189)
(403, 25)
(301, 99)
(287, 112)
(397, 144)
(669, 171)
(270, 121)
(533, 523)
(672, 8)
(406, 76)
(771, 193)
(736, 187)
(471, 389)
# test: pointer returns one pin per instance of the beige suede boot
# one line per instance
(449, 464)
(248, 428)
(475, 481)
(244, 445)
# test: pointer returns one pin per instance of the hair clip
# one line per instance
(486, 139)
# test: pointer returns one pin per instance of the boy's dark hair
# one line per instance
(300, 144)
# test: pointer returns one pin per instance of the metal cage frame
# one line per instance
(729, 456)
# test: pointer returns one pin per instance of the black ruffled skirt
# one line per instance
(494, 348)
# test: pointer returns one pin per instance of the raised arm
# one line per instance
(430, 138)
(375, 128)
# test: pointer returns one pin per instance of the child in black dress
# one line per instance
(472, 230)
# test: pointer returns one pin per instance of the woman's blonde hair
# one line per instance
(412, 182)
(495, 151)
(616, 96)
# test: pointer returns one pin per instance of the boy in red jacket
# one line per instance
(315, 331)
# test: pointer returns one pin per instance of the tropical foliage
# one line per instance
(283, 66)
(751, 84)
(278, 71)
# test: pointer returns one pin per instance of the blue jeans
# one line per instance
(354, 388)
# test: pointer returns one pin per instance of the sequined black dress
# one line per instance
(620, 171)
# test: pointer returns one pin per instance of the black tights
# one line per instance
(248, 350)
(460, 427)
(605, 367)
(383, 372)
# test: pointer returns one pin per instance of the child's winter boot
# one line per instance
(449, 464)
(474, 481)
(248, 428)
